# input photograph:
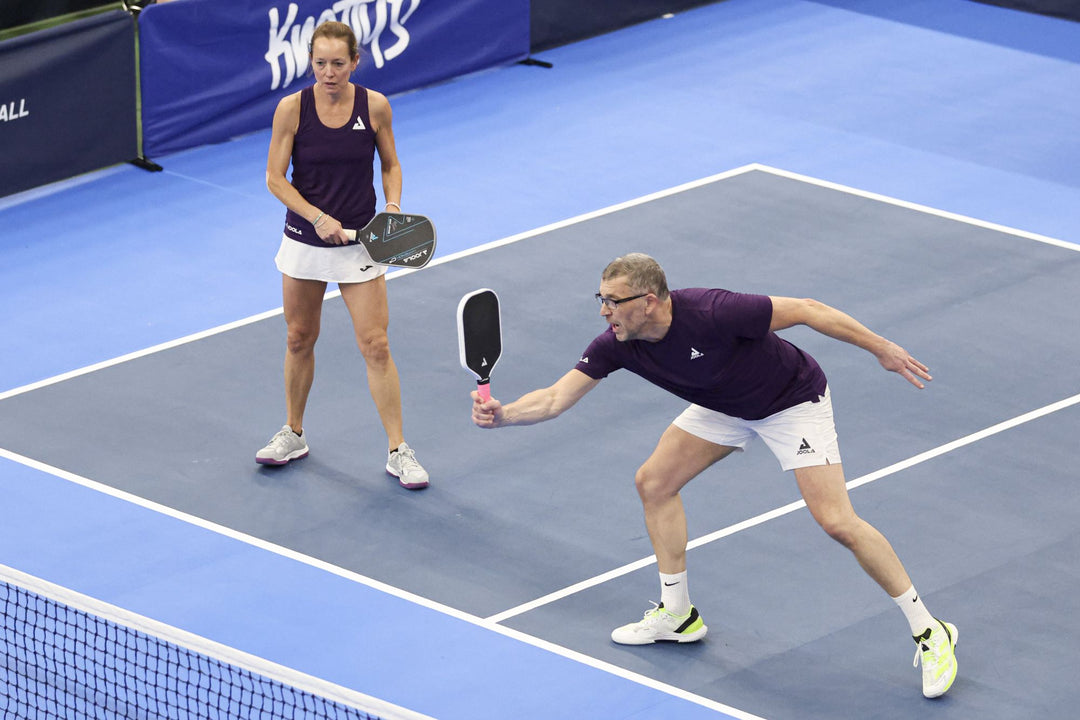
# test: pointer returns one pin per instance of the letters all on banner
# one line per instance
(10, 112)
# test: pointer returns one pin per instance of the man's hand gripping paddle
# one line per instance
(397, 239)
(480, 336)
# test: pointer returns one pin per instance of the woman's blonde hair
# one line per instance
(336, 31)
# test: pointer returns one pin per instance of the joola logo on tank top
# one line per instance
(371, 20)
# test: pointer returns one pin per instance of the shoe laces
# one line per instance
(407, 459)
(930, 646)
(280, 441)
(653, 614)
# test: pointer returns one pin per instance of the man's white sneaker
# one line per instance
(659, 625)
(403, 465)
(283, 447)
(937, 647)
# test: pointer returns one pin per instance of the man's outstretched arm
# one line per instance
(536, 406)
(826, 320)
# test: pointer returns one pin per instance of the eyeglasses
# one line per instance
(612, 303)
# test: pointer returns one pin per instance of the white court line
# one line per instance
(789, 508)
(915, 206)
(137, 354)
(492, 623)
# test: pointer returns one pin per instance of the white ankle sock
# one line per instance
(674, 593)
(918, 617)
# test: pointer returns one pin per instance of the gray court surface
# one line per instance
(988, 531)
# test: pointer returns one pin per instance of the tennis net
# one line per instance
(67, 656)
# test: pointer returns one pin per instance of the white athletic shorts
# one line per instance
(342, 264)
(801, 436)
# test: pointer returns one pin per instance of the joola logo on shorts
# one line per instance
(369, 19)
(805, 448)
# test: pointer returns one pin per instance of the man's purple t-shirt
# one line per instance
(718, 353)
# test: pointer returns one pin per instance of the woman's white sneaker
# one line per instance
(402, 464)
(283, 447)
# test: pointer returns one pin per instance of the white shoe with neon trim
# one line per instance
(938, 650)
(659, 625)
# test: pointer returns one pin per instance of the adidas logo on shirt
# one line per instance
(805, 448)
(359, 124)
(695, 354)
(584, 359)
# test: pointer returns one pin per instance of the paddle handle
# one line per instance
(483, 387)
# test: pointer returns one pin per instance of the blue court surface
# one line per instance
(916, 166)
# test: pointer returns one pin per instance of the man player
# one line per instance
(719, 351)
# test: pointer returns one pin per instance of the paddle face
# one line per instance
(398, 239)
(480, 336)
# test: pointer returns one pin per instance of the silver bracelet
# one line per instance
(394, 204)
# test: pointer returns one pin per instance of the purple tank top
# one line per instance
(333, 168)
(718, 353)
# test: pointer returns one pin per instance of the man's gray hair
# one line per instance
(642, 274)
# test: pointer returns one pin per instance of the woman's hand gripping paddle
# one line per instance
(480, 337)
(397, 239)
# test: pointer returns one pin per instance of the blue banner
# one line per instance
(213, 70)
(67, 101)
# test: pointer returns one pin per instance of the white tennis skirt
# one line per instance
(339, 264)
